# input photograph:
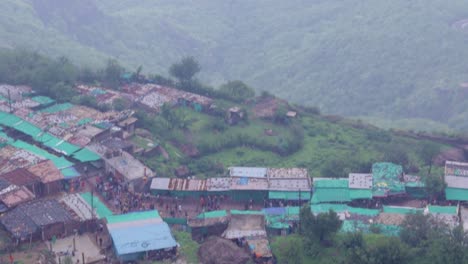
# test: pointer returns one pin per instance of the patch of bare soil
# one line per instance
(453, 154)
(222, 251)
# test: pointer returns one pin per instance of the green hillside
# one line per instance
(394, 60)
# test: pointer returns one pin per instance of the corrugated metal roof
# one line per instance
(20, 177)
(289, 184)
(287, 173)
(46, 171)
(142, 238)
(45, 212)
(360, 181)
(248, 172)
(218, 184)
(176, 184)
(139, 232)
(249, 184)
(17, 196)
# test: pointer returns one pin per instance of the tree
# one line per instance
(289, 249)
(435, 185)
(321, 226)
(387, 251)
(396, 154)
(185, 69)
(416, 229)
(120, 104)
(62, 91)
(237, 90)
(428, 152)
(112, 74)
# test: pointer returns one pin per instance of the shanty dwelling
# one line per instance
(456, 178)
(208, 224)
(248, 183)
(247, 228)
(126, 168)
(128, 127)
(281, 220)
(289, 184)
(449, 215)
(13, 195)
(22, 177)
(81, 210)
(141, 235)
(51, 178)
(360, 186)
(179, 187)
(116, 144)
(41, 219)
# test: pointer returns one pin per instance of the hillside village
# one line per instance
(81, 183)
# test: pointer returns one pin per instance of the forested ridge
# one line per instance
(398, 60)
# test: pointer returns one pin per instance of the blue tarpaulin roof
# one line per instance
(141, 235)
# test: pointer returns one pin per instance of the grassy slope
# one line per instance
(368, 58)
(325, 143)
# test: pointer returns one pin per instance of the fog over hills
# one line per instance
(387, 59)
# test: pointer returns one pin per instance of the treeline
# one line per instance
(422, 239)
(56, 77)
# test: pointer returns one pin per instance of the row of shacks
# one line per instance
(46, 150)
(243, 183)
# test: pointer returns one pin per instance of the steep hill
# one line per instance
(394, 59)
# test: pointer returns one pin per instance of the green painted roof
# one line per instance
(213, 214)
(283, 195)
(28, 128)
(401, 210)
(325, 207)
(131, 217)
(60, 162)
(355, 194)
(61, 146)
(84, 121)
(44, 137)
(293, 210)
(415, 184)
(57, 108)
(456, 194)
(43, 100)
(70, 172)
(331, 183)
(85, 155)
(442, 209)
(331, 195)
(101, 209)
(246, 212)
(361, 226)
(363, 211)
(9, 120)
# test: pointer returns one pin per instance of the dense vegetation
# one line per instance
(422, 240)
(327, 146)
(395, 59)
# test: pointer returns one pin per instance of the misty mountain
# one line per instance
(389, 59)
